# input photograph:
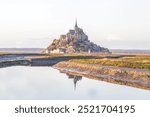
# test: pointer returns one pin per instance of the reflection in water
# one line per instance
(47, 83)
(75, 79)
(132, 83)
(143, 82)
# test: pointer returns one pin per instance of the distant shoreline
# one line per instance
(21, 50)
(39, 50)
(130, 51)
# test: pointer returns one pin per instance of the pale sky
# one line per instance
(122, 24)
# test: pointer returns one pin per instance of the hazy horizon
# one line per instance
(114, 24)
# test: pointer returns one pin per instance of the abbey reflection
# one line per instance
(75, 79)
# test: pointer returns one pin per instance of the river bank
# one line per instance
(110, 68)
(131, 77)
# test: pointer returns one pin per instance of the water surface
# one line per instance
(20, 82)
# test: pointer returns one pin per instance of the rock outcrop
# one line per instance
(75, 41)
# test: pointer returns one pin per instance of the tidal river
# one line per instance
(21, 82)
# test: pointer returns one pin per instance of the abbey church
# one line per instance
(75, 41)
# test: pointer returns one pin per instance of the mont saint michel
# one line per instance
(75, 41)
(73, 67)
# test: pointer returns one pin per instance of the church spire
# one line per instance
(76, 26)
(76, 23)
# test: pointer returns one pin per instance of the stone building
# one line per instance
(75, 41)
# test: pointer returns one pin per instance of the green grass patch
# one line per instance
(129, 62)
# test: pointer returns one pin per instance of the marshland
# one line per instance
(128, 70)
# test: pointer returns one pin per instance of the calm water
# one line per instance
(47, 83)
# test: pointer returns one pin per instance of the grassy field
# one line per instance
(141, 62)
(129, 61)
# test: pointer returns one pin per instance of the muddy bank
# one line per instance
(131, 77)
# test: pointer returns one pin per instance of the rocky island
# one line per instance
(75, 41)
